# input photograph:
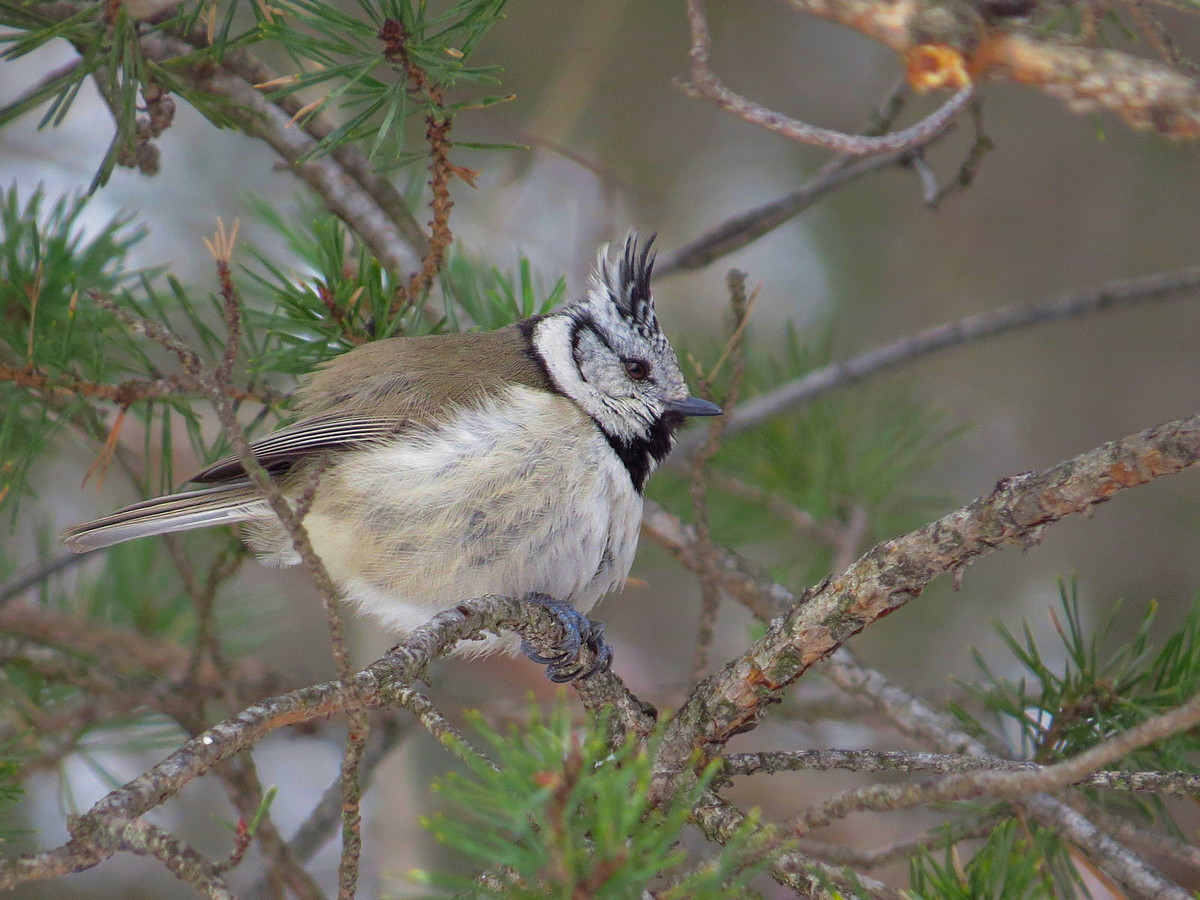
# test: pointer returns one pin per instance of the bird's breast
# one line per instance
(520, 493)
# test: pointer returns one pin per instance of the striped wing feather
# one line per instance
(280, 450)
(231, 498)
(233, 502)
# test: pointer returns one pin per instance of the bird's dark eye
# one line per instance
(637, 369)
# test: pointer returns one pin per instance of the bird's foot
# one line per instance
(563, 663)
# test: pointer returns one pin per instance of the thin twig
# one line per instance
(316, 830)
(348, 865)
(980, 147)
(742, 578)
(1148, 842)
(710, 593)
(1103, 298)
(1171, 784)
(184, 862)
(740, 230)
(881, 856)
(127, 392)
(439, 726)
(705, 85)
(41, 573)
(720, 820)
(915, 717)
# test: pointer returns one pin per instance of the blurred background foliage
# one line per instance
(571, 131)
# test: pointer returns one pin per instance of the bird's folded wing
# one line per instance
(280, 450)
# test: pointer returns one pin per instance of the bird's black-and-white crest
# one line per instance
(607, 353)
(626, 282)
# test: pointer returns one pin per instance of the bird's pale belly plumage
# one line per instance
(519, 494)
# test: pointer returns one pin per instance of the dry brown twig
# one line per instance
(949, 44)
(741, 307)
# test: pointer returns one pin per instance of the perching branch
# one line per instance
(374, 687)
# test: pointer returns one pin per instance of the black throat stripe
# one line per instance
(641, 455)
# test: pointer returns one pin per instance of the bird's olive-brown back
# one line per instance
(422, 379)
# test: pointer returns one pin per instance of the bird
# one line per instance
(451, 466)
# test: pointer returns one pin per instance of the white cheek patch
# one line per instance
(623, 417)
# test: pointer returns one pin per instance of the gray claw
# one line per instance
(562, 664)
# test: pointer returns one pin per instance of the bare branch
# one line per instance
(896, 571)
(740, 230)
(916, 717)
(40, 573)
(1103, 298)
(1171, 784)
(741, 578)
(437, 725)
(994, 782)
(710, 592)
(348, 865)
(872, 859)
(185, 863)
(1148, 842)
(705, 85)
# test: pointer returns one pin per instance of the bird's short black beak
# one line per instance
(694, 406)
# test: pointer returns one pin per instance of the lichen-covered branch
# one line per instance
(373, 687)
(1015, 513)
(1171, 784)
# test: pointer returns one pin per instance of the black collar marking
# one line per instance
(642, 454)
(639, 455)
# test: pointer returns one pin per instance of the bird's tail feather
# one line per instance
(221, 505)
